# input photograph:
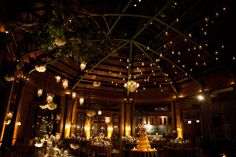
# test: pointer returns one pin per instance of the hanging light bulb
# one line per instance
(99, 112)
(81, 101)
(131, 86)
(65, 83)
(82, 66)
(40, 92)
(73, 94)
(49, 98)
(40, 68)
(107, 120)
(58, 78)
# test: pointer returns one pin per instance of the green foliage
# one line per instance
(83, 39)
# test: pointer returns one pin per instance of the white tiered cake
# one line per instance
(143, 143)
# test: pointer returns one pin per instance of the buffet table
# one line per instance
(135, 153)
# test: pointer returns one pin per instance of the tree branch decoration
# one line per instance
(63, 33)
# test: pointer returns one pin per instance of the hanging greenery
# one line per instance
(63, 33)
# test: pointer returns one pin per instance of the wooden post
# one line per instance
(122, 119)
(206, 119)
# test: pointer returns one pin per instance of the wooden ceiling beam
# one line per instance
(102, 79)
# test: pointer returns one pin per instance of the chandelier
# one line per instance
(40, 68)
(81, 101)
(65, 83)
(131, 86)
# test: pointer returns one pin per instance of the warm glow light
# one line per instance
(81, 101)
(131, 86)
(67, 130)
(96, 84)
(179, 133)
(107, 120)
(40, 68)
(99, 112)
(58, 78)
(49, 98)
(65, 83)
(197, 121)
(82, 66)
(73, 95)
(18, 123)
(38, 144)
(8, 122)
(127, 131)
(189, 122)
(200, 97)
(40, 92)
(109, 131)
(87, 127)
(9, 115)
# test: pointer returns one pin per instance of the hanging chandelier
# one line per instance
(40, 68)
(131, 86)
(58, 78)
(73, 95)
(82, 66)
(40, 92)
(81, 101)
(65, 83)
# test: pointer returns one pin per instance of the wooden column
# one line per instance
(206, 119)
(74, 116)
(128, 108)
(66, 112)
(173, 116)
(68, 116)
(134, 121)
(122, 119)
(5, 109)
(179, 121)
(9, 129)
(126, 120)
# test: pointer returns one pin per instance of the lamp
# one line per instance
(81, 101)
(49, 97)
(40, 68)
(58, 78)
(82, 66)
(40, 92)
(96, 84)
(107, 120)
(8, 118)
(131, 86)
(73, 95)
(65, 83)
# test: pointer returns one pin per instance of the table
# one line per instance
(134, 153)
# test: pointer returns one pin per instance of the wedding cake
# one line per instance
(143, 143)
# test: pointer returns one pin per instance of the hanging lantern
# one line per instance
(73, 94)
(58, 78)
(90, 113)
(82, 66)
(59, 42)
(99, 112)
(51, 106)
(65, 83)
(43, 107)
(40, 68)
(40, 92)
(81, 101)
(96, 84)
(49, 98)
(107, 120)
(131, 86)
